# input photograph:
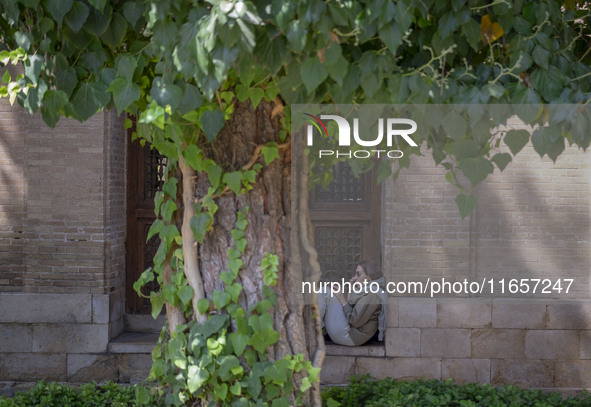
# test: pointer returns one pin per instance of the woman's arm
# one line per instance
(363, 310)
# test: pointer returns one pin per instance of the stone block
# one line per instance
(550, 344)
(134, 368)
(463, 313)
(466, 370)
(403, 342)
(498, 343)
(585, 341)
(399, 368)
(86, 368)
(450, 343)
(518, 314)
(522, 372)
(100, 309)
(337, 369)
(574, 314)
(30, 367)
(70, 338)
(45, 308)
(15, 338)
(417, 313)
(573, 373)
(376, 350)
(392, 313)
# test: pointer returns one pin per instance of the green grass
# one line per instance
(363, 391)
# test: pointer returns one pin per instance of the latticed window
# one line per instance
(155, 166)
(346, 221)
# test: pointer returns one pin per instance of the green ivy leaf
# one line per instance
(133, 10)
(312, 73)
(167, 210)
(200, 224)
(186, 294)
(233, 180)
(255, 95)
(77, 16)
(476, 169)
(549, 82)
(116, 31)
(196, 377)
(466, 204)
(239, 342)
(166, 93)
(501, 160)
(516, 140)
(541, 56)
(89, 99)
(447, 24)
(220, 299)
(194, 157)
(124, 92)
(270, 152)
(58, 8)
(212, 121)
(53, 102)
(391, 35)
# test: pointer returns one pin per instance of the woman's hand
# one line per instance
(340, 297)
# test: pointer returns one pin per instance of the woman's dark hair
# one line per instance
(371, 269)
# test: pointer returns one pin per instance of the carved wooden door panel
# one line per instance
(144, 178)
(346, 222)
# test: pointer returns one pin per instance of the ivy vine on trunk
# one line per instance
(211, 84)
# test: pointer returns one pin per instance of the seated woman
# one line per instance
(353, 320)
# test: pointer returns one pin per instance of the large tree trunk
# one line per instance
(277, 212)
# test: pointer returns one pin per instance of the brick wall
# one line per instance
(62, 246)
(532, 221)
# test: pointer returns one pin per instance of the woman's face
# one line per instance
(361, 275)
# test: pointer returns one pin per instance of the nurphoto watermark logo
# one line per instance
(388, 127)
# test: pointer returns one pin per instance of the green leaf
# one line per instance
(476, 169)
(233, 180)
(53, 102)
(167, 210)
(89, 99)
(186, 295)
(77, 16)
(191, 99)
(58, 8)
(116, 31)
(391, 35)
(194, 157)
(157, 300)
(501, 160)
(471, 31)
(166, 93)
(516, 140)
(541, 56)
(98, 21)
(33, 68)
(196, 377)
(200, 223)
(466, 204)
(124, 92)
(255, 95)
(214, 174)
(213, 325)
(202, 305)
(212, 121)
(339, 70)
(98, 4)
(296, 35)
(220, 299)
(270, 152)
(239, 342)
(23, 40)
(312, 73)
(549, 82)
(447, 24)
(133, 10)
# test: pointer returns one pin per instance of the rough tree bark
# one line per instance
(275, 210)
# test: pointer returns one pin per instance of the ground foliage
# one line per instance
(364, 391)
(181, 66)
(88, 395)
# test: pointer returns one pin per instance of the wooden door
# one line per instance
(346, 221)
(144, 178)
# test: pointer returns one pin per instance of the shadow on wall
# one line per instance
(13, 186)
